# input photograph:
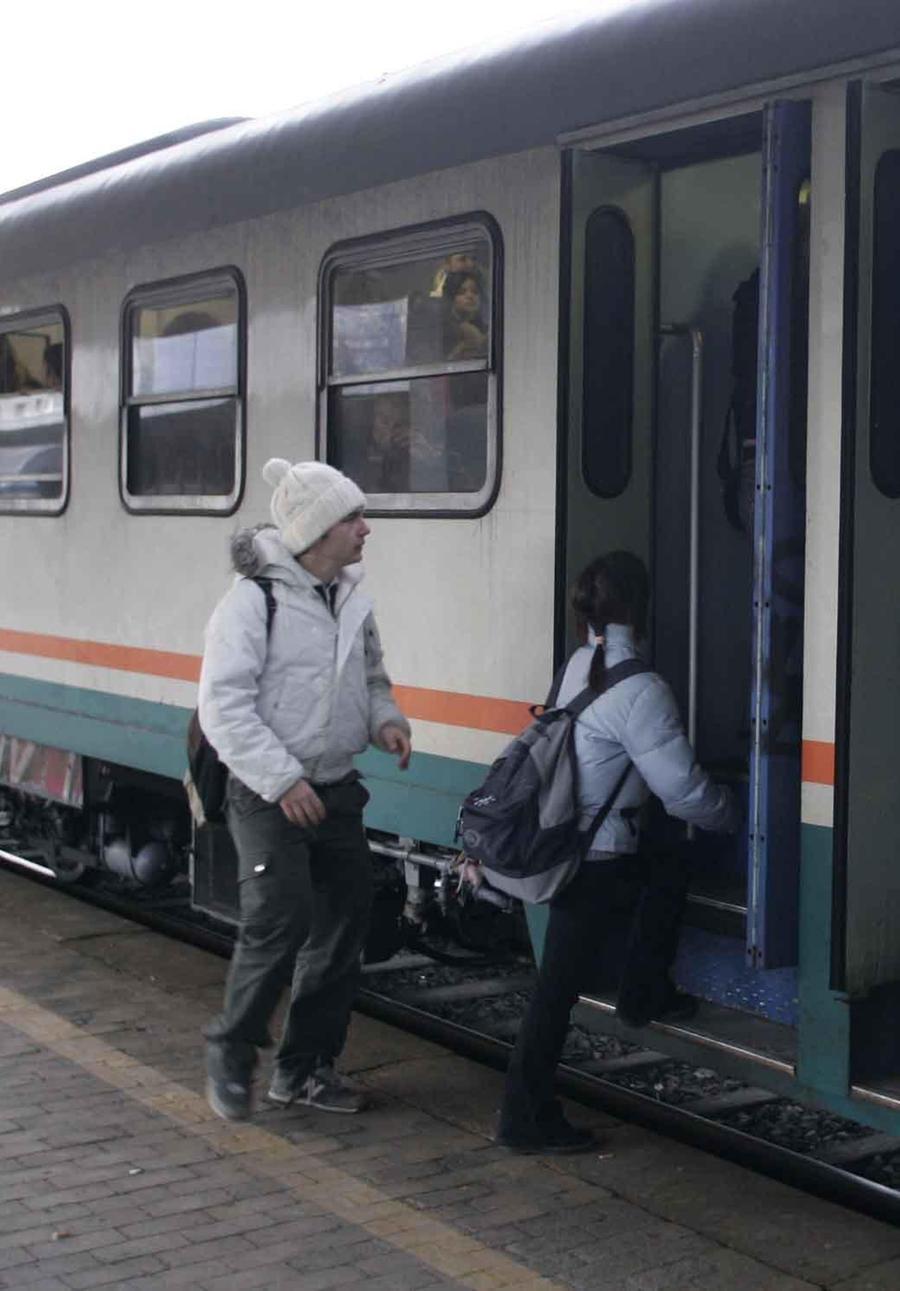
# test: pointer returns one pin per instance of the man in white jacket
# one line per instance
(292, 687)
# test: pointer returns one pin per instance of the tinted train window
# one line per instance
(34, 440)
(884, 417)
(608, 383)
(409, 381)
(182, 417)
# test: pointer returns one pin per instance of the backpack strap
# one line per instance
(555, 685)
(265, 584)
(622, 671)
(619, 672)
(607, 807)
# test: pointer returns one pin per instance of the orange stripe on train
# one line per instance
(817, 766)
(101, 654)
(477, 712)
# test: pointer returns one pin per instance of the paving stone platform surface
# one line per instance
(113, 1172)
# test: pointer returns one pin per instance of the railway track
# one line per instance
(472, 1008)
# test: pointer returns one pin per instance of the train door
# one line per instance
(866, 941)
(773, 810)
(612, 359)
(709, 224)
(729, 584)
(610, 380)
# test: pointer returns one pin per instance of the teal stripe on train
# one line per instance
(421, 803)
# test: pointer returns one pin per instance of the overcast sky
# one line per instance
(85, 77)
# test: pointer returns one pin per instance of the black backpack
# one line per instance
(521, 823)
(206, 777)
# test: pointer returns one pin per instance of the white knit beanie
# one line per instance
(309, 498)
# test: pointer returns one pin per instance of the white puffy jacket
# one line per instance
(637, 721)
(302, 702)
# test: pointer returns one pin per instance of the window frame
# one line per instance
(397, 246)
(186, 289)
(614, 215)
(55, 313)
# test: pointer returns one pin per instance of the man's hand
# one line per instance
(393, 739)
(302, 805)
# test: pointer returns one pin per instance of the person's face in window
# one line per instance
(467, 301)
(390, 424)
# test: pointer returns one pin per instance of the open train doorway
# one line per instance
(686, 443)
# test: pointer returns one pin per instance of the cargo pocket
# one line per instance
(259, 866)
(258, 893)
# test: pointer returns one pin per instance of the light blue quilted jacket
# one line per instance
(637, 721)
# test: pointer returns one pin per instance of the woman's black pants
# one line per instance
(614, 928)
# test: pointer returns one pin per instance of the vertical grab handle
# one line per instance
(694, 611)
(695, 335)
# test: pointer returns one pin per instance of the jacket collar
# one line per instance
(260, 553)
(619, 643)
(348, 580)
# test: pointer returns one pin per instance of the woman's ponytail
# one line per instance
(612, 589)
(597, 674)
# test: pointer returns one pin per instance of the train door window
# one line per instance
(182, 420)
(409, 380)
(884, 439)
(34, 421)
(608, 401)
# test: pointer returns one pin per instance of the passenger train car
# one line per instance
(631, 281)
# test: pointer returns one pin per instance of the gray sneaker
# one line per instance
(324, 1088)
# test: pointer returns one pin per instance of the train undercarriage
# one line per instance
(101, 822)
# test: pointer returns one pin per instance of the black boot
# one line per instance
(673, 1006)
(549, 1132)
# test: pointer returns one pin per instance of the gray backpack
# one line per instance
(521, 823)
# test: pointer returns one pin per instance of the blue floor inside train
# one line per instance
(713, 967)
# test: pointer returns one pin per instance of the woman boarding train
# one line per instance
(607, 925)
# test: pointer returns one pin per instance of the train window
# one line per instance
(608, 382)
(409, 383)
(34, 438)
(884, 415)
(182, 416)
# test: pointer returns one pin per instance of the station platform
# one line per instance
(114, 1173)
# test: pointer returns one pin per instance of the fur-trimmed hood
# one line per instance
(258, 551)
(248, 558)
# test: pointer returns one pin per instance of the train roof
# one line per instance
(553, 80)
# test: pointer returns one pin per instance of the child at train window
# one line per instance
(465, 331)
(609, 922)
